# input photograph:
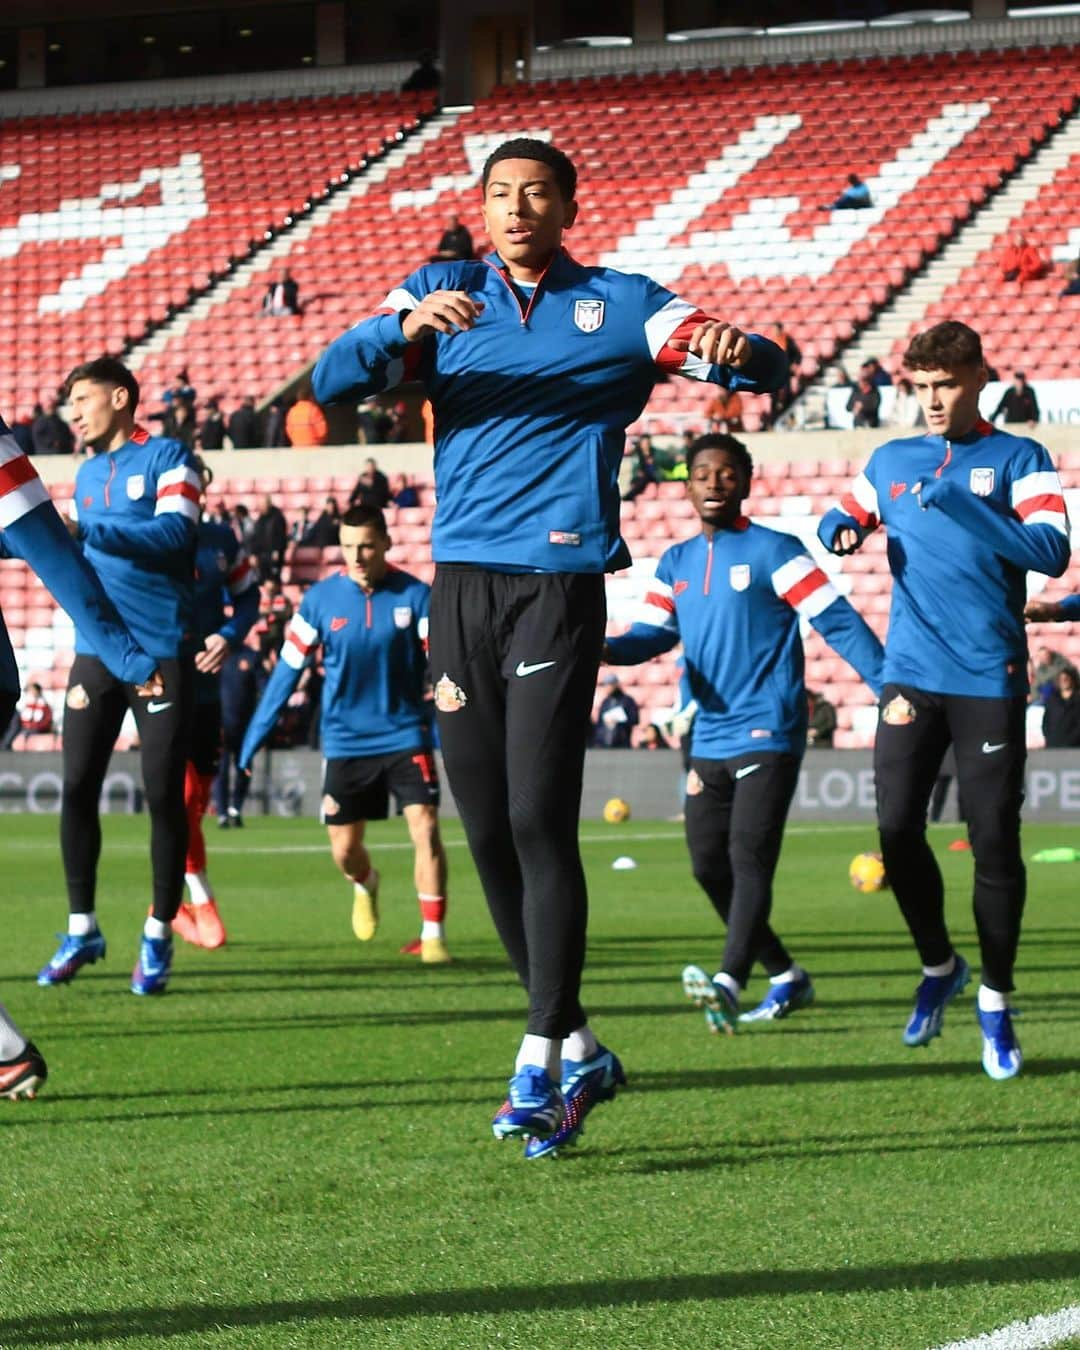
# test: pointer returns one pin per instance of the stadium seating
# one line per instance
(108, 219)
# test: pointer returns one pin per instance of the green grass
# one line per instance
(292, 1148)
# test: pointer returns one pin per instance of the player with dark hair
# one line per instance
(371, 621)
(33, 531)
(135, 512)
(734, 596)
(224, 581)
(969, 510)
(535, 365)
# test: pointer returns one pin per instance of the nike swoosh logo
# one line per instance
(746, 769)
(158, 707)
(523, 669)
(989, 749)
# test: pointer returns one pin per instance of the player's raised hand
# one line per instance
(441, 312)
(1043, 611)
(154, 686)
(716, 342)
(212, 657)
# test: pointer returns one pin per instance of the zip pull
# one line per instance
(708, 569)
(945, 462)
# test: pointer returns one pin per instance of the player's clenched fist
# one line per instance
(441, 312)
(716, 342)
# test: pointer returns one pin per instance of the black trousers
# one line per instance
(514, 659)
(95, 707)
(988, 735)
(735, 813)
(230, 785)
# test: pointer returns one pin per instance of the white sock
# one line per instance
(430, 928)
(946, 967)
(12, 1041)
(793, 972)
(154, 928)
(992, 1000)
(81, 925)
(539, 1051)
(580, 1044)
(198, 884)
(730, 983)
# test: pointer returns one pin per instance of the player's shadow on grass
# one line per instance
(789, 1075)
(86, 1327)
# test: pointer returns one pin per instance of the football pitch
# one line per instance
(292, 1147)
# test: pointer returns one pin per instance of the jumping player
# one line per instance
(136, 510)
(734, 595)
(33, 531)
(224, 580)
(535, 366)
(969, 510)
(371, 621)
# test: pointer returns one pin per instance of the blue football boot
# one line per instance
(1001, 1057)
(585, 1084)
(151, 973)
(932, 997)
(782, 1000)
(533, 1106)
(70, 957)
(720, 1004)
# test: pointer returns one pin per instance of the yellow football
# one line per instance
(616, 811)
(867, 873)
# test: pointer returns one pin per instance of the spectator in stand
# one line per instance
(837, 377)
(179, 423)
(1021, 261)
(1018, 403)
(34, 718)
(878, 375)
(906, 410)
(616, 717)
(244, 426)
(180, 391)
(269, 539)
(275, 607)
(404, 493)
(325, 533)
(854, 197)
(305, 425)
(49, 433)
(273, 432)
(1061, 720)
(780, 399)
(300, 529)
(821, 724)
(372, 488)
(1072, 278)
(724, 411)
(244, 526)
(22, 431)
(426, 76)
(1048, 666)
(211, 434)
(864, 402)
(282, 297)
(652, 738)
(456, 244)
(646, 470)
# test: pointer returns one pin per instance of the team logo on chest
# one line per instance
(982, 482)
(739, 576)
(402, 616)
(136, 486)
(588, 315)
(337, 624)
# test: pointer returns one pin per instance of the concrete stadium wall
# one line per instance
(835, 786)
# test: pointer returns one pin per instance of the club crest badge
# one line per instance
(77, 698)
(402, 616)
(739, 576)
(898, 712)
(694, 786)
(982, 482)
(449, 697)
(588, 315)
(136, 487)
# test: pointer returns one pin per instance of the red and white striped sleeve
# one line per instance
(21, 490)
(300, 638)
(805, 587)
(676, 319)
(656, 608)
(1037, 499)
(179, 489)
(241, 577)
(861, 502)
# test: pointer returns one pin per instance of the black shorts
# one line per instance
(359, 788)
(205, 752)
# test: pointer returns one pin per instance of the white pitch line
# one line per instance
(1034, 1334)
